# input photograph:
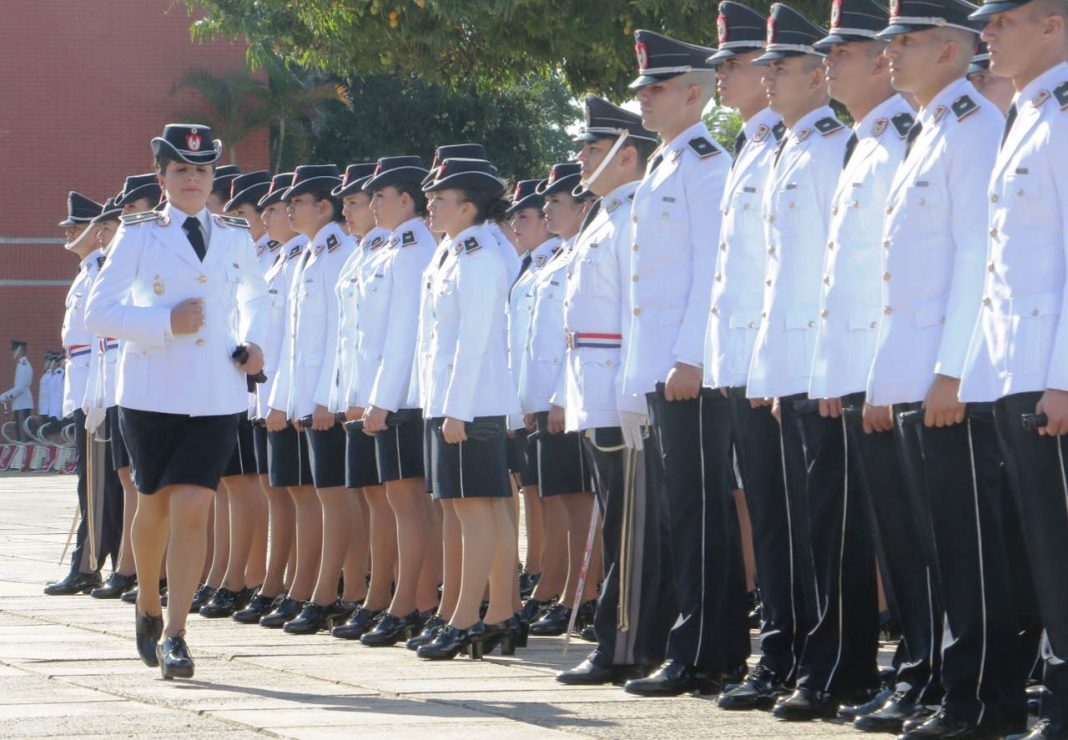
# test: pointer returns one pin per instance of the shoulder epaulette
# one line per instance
(377, 242)
(407, 238)
(332, 242)
(273, 244)
(1061, 94)
(828, 125)
(778, 130)
(963, 107)
(238, 223)
(471, 245)
(902, 123)
(703, 148)
(140, 218)
(293, 251)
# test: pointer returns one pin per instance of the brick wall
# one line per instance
(85, 86)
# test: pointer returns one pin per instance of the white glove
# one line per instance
(634, 425)
(94, 417)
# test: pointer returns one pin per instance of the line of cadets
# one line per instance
(854, 332)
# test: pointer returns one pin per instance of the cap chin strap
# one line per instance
(74, 245)
(587, 182)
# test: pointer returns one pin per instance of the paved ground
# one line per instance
(68, 667)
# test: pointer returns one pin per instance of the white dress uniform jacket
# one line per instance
(1020, 342)
(78, 341)
(306, 367)
(852, 270)
(796, 207)
(344, 393)
(520, 308)
(421, 369)
(281, 277)
(44, 393)
(505, 250)
(673, 257)
(546, 342)
(19, 395)
(389, 314)
(934, 242)
(468, 352)
(152, 267)
(594, 315)
(267, 250)
(738, 285)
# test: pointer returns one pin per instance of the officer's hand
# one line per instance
(454, 431)
(776, 409)
(510, 433)
(529, 423)
(942, 408)
(353, 413)
(555, 425)
(276, 420)
(830, 408)
(374, 421)
(683, 383)
(1054, 404)
(254, 363)
(187, 317)
(322, 418)
(633, 425)
(759, 403)
(877, 418)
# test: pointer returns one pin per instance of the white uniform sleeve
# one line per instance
(252, 299)
(1057, 373)
(331, 269)
(395, 370)
(475, 283)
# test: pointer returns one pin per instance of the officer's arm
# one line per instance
(331, 269)
(253, 301)
(970, 162)
(1057, 373)
(626, 401)
(398, 354)
(107, 312)
(281, 387)
(23, 378)
(480, 284)
(704, 190)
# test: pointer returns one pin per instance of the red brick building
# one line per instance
(85, 86)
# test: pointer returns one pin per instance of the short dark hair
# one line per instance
(643, 147)
(414, 190)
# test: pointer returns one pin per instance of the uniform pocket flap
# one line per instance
(1045, 304)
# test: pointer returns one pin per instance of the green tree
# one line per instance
(234, 103)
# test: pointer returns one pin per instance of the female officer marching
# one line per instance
(184, 290)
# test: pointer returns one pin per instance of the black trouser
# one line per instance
(980, 577)
(1038, 477)
(711, 631)
(906, 562)
(840, 650)
(627, 494)
(107, 502)
(780, 562)
(21, 415)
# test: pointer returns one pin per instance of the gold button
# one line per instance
(990, 267)
(200, 342)
(987, 301)
(767, 283)
(888, 310)
(826, 279)
(994, 198)
(666, 216)
(886, 243)
(637, 312)
(834, 211)
(771, 250)
(812, 325)
(993, 232)
(874, 325)
(635, 247)
(715, 309)
(634, 279)
(823, 314)
(723, 246)
(791, 205)
(886, 277)
(719, 277)
(763, 314)
(202, 279)
(830, 245)
(1035, 312)
(771, 218)
(889, 209)
(752, 325)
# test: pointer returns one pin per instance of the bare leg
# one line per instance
(209, 550)
(554, 563)
(126, 564)
(221, 553)
(430, 575)
(280, 515)
(451, 559)
(579, 507)
(189, 531)
(746, 528)
(477, 521)
(256, 567)
(148, 536)
(243, 493)
(406, 498)
(383, 548)
(309, 528)
(513, 518)
(357, 554)
(534, 511)
(502, 575)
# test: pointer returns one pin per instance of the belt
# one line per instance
(108, 343)
(592, 340)
(77, 350)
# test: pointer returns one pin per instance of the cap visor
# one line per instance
(314, 183)
(251, 194)
(353, 187)
(152, 192)
(724, 54)
(398, 176)
(209, 156)
(774, 56)
(564, 184)
(835, 39)
(989, 9)
(531, 201)
(644, 80)
(899, 29)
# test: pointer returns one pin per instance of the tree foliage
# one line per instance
(588, 44)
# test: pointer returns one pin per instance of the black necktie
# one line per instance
(778, 150)
(656, 163)
(1010, 119)
(523, 267)
(590, 214)
(739, 142)
(851, 146)
(914, 133)
(196, 236)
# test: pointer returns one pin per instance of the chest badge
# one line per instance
(157, 285)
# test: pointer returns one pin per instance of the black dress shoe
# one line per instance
(430, 630)
(553, 622)
(890, 717)
(675, 678)
(805, 704)
(148, 629)
(390, 630)
(1044, 729)
(507, 634)
(756, 610)
(223, 603)
(527, 582)
(589, 673)
(130, 596)
(361, 622)
(244, 596)
(584, 618)
(313, 618)
(116, 586)
(588, 633)
(758, 690)
(73, 583)
(1036, 695)
(532, 610)
(286, 610)
(450, 642)
(174, 658)
(944, 724)
(203, 595)
(919, 716)
(258, 607)
(849, 712)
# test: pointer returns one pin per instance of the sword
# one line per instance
(90, 495)
(629, 471)
(587, 556)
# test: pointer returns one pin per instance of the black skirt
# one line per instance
(120, 456)
(243, 459)
(327, 456)
(176, 449)
(477, 468)
(521, 459)
(399, 451)
(428, 456)
(361, 467)
(561, 467)
(288, 459)
(259, 444)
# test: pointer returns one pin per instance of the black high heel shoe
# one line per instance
(313, 618)
(174, 658)
(431, 627)
(286, 610)
(507, 634)
(450, 642)
(361, 621)
(390, 630)
(148, 629)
